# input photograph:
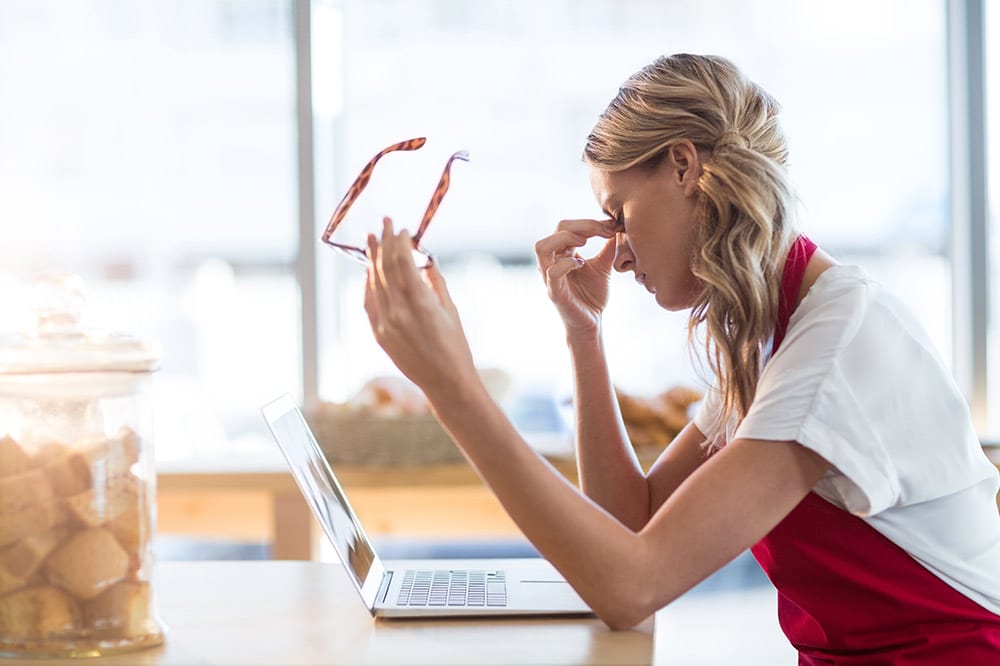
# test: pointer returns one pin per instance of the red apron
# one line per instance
(849, 595)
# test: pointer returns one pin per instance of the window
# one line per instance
(149, 146)
(520, 87)
(991, 30)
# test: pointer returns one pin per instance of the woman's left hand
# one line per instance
(413, 317)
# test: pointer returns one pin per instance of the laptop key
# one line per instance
(452, 588)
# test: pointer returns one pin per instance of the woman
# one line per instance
(834, 442)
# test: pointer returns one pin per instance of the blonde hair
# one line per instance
(744, 211)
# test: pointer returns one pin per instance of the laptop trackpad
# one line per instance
(555, 592)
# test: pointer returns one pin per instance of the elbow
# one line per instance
(626, 611)
(623, 619)
(627, 599)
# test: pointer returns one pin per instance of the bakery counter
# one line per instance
(257, 500)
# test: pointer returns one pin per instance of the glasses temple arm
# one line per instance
(438, 195)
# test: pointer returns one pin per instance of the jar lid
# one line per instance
(59, 343)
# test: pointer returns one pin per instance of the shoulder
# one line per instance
(850, 317)
(837, 300)
(847, 309)
(859, 381)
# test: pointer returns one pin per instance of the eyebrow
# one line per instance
(606, 209)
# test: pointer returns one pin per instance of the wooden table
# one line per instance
(293, 613)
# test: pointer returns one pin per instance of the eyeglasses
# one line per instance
(421, 256)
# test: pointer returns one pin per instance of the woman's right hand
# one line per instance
(577, 286)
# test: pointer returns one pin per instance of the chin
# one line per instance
(673, 302)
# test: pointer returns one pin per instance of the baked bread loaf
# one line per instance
(652, 422)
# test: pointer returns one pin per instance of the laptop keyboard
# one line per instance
(444, 587)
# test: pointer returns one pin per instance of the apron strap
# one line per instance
(795, 269)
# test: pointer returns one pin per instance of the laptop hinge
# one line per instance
(383, 588)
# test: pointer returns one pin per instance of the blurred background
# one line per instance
(183, 156)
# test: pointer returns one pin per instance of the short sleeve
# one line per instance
(708, 410)
(858, 381)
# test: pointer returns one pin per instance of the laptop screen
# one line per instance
(319, 486)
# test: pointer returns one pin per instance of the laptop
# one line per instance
(412, 588)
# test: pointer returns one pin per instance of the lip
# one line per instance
(641, 279)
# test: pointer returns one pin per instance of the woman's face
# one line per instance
(654, 209)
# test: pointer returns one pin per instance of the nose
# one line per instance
(624, 259)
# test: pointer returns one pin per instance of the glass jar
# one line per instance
(77, 485)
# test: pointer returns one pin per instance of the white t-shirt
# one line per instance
(857, 380)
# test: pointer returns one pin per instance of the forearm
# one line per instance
(608, 467)
(597, 554)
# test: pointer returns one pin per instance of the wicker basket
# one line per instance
(352, 438)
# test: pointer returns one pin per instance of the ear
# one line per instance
(685, 166)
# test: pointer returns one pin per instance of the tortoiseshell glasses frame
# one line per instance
(422, 257)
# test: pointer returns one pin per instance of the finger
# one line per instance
(560, 269)
(403, 263)
(398, 251)
(374, 291)
(388, 243)
(395, 256)
(370, 299)
(433, 277)
(561, 242)
(377, 252)
(589, 228)
(387, 231)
